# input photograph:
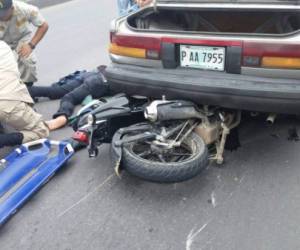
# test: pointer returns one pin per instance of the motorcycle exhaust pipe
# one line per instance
(171, 110)
(271, 118)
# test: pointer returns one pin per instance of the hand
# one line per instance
(25, 50)
(143, 3)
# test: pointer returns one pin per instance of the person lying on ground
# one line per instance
(16, 19)
(16, 104)
(127, 6)
(72, 92)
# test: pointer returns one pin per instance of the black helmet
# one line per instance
(5, 5)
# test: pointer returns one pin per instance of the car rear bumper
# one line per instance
(210, 88)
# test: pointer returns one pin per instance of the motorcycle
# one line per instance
(161, 140)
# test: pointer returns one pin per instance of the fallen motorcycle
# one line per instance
(160, 141)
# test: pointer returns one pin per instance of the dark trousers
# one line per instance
(73, 92)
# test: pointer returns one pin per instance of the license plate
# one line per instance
(202, 57)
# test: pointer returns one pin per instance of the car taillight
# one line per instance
(135, 46)
(127, 51)
(281, 62)
(266, 55)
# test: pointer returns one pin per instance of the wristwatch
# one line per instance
(32, 46)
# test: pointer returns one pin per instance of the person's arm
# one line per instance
(35, 17)
(143, 3)
(27, 49)
(39, 34)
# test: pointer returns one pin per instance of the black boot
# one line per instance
(11, 139)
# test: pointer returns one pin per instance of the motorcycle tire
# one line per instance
(167, 172)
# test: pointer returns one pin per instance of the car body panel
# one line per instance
(212, 88)
(123, 29)
(252, 88)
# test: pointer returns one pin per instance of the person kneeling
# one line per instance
(16, 104)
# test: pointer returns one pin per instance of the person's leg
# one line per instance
(96, 86)
(70, 100)
(133, 6)
(57, 90)
(93, 85)
(67, 105)
(27, 68)
(52, 92)
(126, 6)
(22, 117)
(123, 6)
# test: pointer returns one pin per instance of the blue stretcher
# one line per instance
(26, 170)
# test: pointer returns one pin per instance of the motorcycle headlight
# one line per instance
(91, 119)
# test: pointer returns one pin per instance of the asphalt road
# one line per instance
(252, 202)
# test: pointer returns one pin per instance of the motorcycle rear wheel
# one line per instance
(192, 157)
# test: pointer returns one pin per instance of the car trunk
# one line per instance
(235, 38)
(221, 20)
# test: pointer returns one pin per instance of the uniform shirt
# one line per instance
(11, 87)
(18, 28)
